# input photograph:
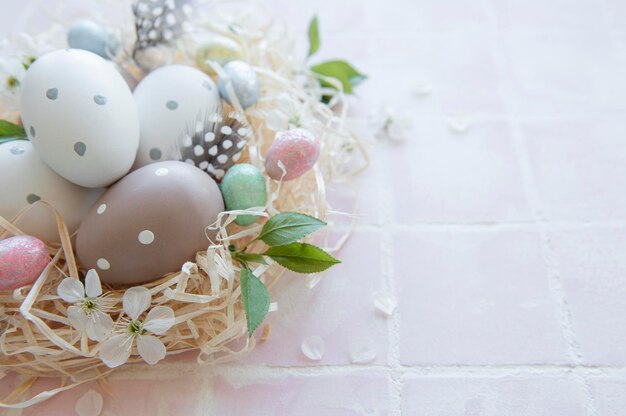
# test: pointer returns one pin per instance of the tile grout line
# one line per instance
(549, 256)
(485, 226)
(208, 399)
(393, 322)
(267, 373)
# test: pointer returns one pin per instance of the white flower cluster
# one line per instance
(12, 70)
(89, 314)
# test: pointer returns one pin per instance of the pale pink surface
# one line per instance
(505, 246)
(495, 395)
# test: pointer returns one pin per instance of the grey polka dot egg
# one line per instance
(149, 223)
(168, 100)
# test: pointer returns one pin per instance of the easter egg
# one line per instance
(93, 37)
(219, 49)
(297, 149)
(170, 100)
(80, 116)
(26, 179)
(243, 187)
(22, 259)
(244, 82)
(149, 223)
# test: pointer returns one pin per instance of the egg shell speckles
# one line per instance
(93, 37)
(80, 116)
(243, 187)
(22, 259)
(19, 159)
(168, 100)
(244, 81)
(149, 223)
(297, 149)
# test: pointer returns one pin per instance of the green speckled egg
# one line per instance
(243, 187)
(219, 49)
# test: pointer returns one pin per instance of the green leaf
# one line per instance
(314, 36)
(11, 130)
(251, 258)
(255, 299)
(10, 139)
(342, 71)
(288, 227)
(302, 257)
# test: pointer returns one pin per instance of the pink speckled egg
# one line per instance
(22, 259)
(297, 149)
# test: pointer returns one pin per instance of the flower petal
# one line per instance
(77, 317)
(98, 326)
(116, 350)
(150, 348)
(159, 320)
(26, 44)
(93, 288)
(71, 290)
(136, 301)
(90, 404)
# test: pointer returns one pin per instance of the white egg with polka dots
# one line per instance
(169, 100)
(26, 179)
(80, 116)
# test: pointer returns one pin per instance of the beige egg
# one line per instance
(149, 223)
(26, 179)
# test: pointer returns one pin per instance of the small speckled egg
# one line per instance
(93, 37)
(169, 100)
(219, 49)
(243, 187)
(297, 149)
(26, 179)
(80, 116)
(149, 223)
(22, 259)
(244, 81)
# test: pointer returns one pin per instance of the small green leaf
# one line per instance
(342, 71)
(251, 258)
(11, 130)
(302, 257)
(10, 139)
(314, 36)
(255, 299)
(288, 227)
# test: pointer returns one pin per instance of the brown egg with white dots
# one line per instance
(149, 223)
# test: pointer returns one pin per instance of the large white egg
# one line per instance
(26, 179)
(169, 100)
(80, 116)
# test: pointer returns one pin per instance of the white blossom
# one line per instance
(117, 349)
(90, 307)
(390, 125)
(20, 51)
(289, 113)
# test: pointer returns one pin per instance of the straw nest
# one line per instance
(37, 339)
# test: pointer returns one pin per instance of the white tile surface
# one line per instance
(503, 244)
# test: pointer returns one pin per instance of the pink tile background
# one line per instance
(502, 241)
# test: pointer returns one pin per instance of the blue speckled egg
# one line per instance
(92, 37)
(243, 187)
(245, 83)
